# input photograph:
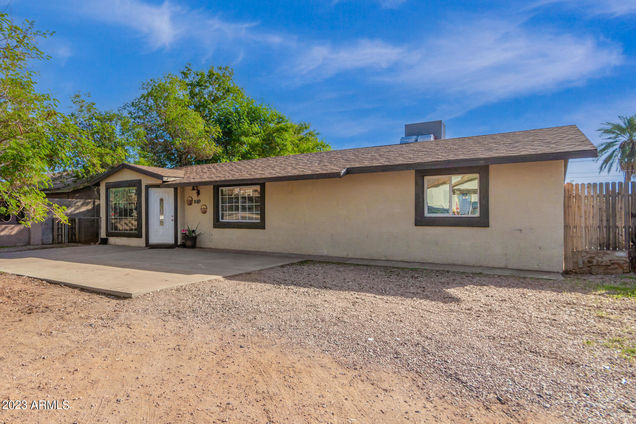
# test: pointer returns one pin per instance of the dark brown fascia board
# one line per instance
(539, 157)
(256, 180)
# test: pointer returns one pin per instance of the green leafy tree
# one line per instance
(618, 152)
(114, 136)
(35, 138)
(204, 117)
(249, 129)
(174, 133)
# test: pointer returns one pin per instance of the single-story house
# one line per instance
(490, 200)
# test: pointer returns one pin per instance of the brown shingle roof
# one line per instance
(566, 142)
(163, 174)
(65, 182)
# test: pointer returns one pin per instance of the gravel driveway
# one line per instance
(552, 344)
(322, 342)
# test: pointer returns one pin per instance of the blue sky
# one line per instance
(359, 70)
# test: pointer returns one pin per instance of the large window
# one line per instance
(123, 203)
(452, 197)
(239, 206)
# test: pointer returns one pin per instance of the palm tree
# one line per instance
(619, 153)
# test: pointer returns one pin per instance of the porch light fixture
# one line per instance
(196, 188)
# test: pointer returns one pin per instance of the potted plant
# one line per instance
(190, 236)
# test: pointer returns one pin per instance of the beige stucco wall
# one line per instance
(125, 174)
(13, 234)
(372, 216)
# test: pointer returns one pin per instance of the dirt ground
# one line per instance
(321, 343)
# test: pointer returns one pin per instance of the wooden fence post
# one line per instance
(567, 254)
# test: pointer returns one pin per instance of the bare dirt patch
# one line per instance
(320, 343)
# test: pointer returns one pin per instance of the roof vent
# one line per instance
(423, 131)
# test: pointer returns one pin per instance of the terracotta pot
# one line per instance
(189, 241)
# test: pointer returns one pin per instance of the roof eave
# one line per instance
(318, 176)
(539, 157)
(132, 168)
(65, 191)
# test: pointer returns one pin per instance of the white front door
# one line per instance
(161, 223)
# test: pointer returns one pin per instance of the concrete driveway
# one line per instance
(131, 271)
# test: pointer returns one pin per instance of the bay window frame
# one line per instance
(482, 220)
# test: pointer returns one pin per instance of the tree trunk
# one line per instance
(628, 213)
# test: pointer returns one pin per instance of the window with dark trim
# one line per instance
(452, 197)
(239, 206)
(123, 209)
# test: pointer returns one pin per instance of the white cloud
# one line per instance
(58, 48)
(597, 7)
(493, 60)
(323, 61)
(391, 4)
(466, 63)
(165, 24)
(470, 65)
(155, 22)
(385, 4)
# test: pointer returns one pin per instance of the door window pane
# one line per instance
(161, 215)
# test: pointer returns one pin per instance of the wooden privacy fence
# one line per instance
(598, 216)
